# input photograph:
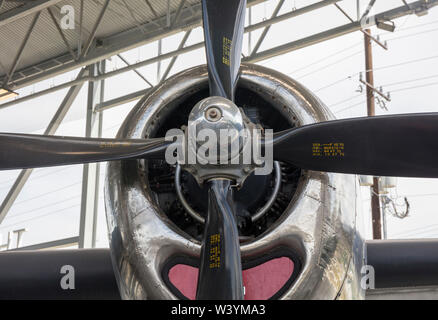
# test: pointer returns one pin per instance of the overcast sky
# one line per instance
(49, 204)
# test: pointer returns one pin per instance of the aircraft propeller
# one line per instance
(396, 145)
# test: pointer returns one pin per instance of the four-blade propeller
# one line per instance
(399, 145)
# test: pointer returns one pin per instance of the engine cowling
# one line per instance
(306, 245)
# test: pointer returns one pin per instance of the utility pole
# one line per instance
(375, 200)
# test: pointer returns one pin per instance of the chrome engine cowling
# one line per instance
(314, 224)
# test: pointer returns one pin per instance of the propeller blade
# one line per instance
(223, 33)
(396, 145)
(220, 273)
(23, 151)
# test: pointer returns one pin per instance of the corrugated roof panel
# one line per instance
(9, 6)
(46, 43)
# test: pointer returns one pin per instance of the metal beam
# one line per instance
(291, 14)
(91, 171)
(249, 33)
(81, 27)
(136, 71)
(103, 76)
(342, 30)
(358, 9)
(368, 9)
(168, 14)
(152, 60)
(172, 62)
(152, 8)
(51, 129)
(132, 14)
(111, 46)
(95, 27)
(121, 100)
(159, 52)
(56, 244)
(25, 10)
(295, 45)
(178, 12)
(266, 30)
(61, 33)
(47, 91)
(279, 50)
(21, 49)
(361, 30)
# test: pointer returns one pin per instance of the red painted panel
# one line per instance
(261, 282)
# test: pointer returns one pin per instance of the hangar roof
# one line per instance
(35, 46)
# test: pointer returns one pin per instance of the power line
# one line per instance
(422, 195)
(359, 43)
(43, 207)
(408, 81)
(416, 87)
(324, 58)
(345, 49)
(399, 90)
(36, 177)
(41, 216)
(333, 83)
(413, 27)
(50, 192)
(351, 107)
(54, 191)
(346, 100)
(384, 67)
(412, 34)
(403, 63)
(330, 65)
(44, 215)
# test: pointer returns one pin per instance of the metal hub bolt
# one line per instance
(213, 114)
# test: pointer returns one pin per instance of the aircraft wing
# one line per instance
(403, 269)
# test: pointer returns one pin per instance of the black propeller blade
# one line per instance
(396, 145)
(220, 274)
(221, 269)
(22, 151)
(223, 33)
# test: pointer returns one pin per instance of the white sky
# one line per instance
(49, 204)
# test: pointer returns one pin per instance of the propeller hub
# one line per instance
(219, 119)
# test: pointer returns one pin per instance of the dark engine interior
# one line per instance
(254, 193)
